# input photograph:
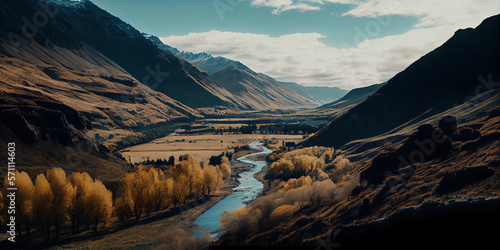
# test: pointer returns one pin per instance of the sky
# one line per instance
(341, 43)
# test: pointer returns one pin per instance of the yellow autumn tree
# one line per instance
(180, 189)
(78, 205)
(100, 204)
(62, 192)
(124, 205)
(152, 190)
(134, 192)
(212, 179)
(162, 187)
(42, 204)
(225, 167)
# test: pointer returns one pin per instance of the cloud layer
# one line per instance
(303, 58)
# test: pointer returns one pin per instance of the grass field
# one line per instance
(201, 147)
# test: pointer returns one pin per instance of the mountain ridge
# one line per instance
(354, 96)
(455, 70)
(220, 68)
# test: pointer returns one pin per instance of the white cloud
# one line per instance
(431, 12)
(283, 5)
(303, 58)
(280, 6)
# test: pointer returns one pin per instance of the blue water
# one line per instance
(247, 191)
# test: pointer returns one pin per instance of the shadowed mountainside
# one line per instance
(84, 24)
(58, 91)
(464, 66)
(354, 97)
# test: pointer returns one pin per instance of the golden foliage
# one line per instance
(147, 190)
(62, 192)
(298, 166)
(56, 199)
(42, 203)
(340, 168)
(284, 211)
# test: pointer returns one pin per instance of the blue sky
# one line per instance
(342, 43)
(180, 17)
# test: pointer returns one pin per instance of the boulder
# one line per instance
(448, 125)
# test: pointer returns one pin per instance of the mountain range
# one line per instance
(85, 72)
(257, 90)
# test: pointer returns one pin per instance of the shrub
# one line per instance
(299, 166)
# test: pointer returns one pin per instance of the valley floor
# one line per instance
(178, 228)
(172, 232)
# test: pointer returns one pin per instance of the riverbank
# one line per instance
(154, 234)
(157, 231)
(248, 189)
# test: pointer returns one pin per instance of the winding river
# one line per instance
(247, 191)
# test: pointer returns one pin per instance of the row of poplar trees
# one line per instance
(77, 201)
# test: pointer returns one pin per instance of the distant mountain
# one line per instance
(251, 89)
(158, 43)
(464, 66)
(211, 64)
(321, 94)
(354, 96)
(260, 91)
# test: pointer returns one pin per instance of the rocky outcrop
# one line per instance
(426, 144)
(459, 179)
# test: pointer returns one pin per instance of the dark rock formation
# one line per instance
(459, 179)
(431, 225)
(448, 125)
(426, 144)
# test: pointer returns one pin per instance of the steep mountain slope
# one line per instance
(322, 94)
(83, 23)
(57, 91)
(354, 96)
(466, 64)
(449, 201)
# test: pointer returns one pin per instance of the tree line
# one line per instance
(57, 202)
(279, 128)
(214, 160)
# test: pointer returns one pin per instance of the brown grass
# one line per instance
(202, 147)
